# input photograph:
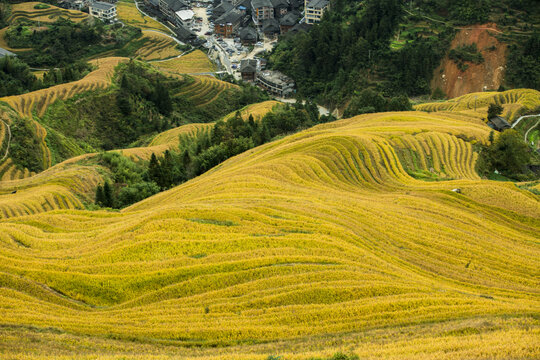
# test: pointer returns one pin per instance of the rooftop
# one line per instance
(276, 77)
(102, 5)
(248, 33)
(4, 52)
(185, 14)
(230, 17)
(318, 4)
(248, 65)
(261, 3)
(175, 5)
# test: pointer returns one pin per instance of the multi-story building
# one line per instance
(103, 11)
(314, 10)
(169, 8)
(261, 10)
(227, 25)
(184, 17)
(275, 83)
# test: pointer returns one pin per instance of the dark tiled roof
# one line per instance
(102, 5)
(318, 4)
(270, 25)
(232, 16)
(282, 3)
(248, 66)
(300, 28)
(185, 34)
(261, 3)
(175, 5)
(289, 19)
(248, 33)
(499, 123)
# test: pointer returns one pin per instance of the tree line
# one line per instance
(133, 182)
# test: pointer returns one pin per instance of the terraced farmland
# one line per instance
(515, 103)
(256, 110)
(204, 90)
(27, 11)
(316, 243)
(193, 63)
(38, 101)
(157, 47)
(129, 14)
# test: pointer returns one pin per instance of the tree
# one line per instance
(107, 195)
(509, 154)
(100, 196)
(494, 110)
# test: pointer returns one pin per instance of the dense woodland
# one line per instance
(351, 50)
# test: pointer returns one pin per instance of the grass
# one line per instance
(515, 103)
(129, 14)
(37, 11)
(373, 262)
(193, 63)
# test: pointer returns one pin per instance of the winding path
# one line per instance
(521, 118)
(532, 127)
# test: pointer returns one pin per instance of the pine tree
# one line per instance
(154, 170)
(107, 195)
(100, 198)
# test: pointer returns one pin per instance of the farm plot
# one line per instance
(193, 63)
(157, 47)
(129, 14)
(48, 13)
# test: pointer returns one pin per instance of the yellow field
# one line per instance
(168, 140)
(26, 11)
(38, 101)
(204, 90)
(515, 103)
(192, 63)
(256, 110)
(128, 13)
(158, 47)
(316, 243)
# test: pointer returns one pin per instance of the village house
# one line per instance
(498, 123)
(281, 7)
(314, 10)
(169, 8)
(227, 25)
(184, 17)
(248, 69)
(221, 9)
(275, 83)
(248, 36)
(288, 21)
(270, 27)
(261, 10)
(103, 11)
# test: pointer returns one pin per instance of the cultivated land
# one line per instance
(129, 14)
(344, 237)
(192, 63)
(157, 46)
(51, 14)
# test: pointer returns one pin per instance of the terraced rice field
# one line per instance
(157, 47)
(38, 101)
(26, 11)
(129, 14)
(515, 103)
(195, 62)
(168, 140)
(315, 243)
(205, 89)
(256, 110)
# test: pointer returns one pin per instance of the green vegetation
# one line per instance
(16, 77)
(136, 181)
(26, 152)
(494, 110)
(369, 101)
(65, 42)
(507, 155)
(523, 67)
(466, 53)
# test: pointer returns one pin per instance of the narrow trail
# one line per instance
(455, 27)
(521, 118)
(9, 141)
(532, 127)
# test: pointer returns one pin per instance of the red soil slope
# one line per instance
(485, 76)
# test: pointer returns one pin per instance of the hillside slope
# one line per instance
(322, 241)
(488, 75)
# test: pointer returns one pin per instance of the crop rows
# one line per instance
(316, 242)
(129, 14)
(26, 11)
(157, 47)
(205, 89)
(515, 103)
(193, 63)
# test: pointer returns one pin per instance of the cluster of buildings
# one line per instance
(104, 9)
(273, 82)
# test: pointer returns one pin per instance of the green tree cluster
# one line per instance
(370, 101)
